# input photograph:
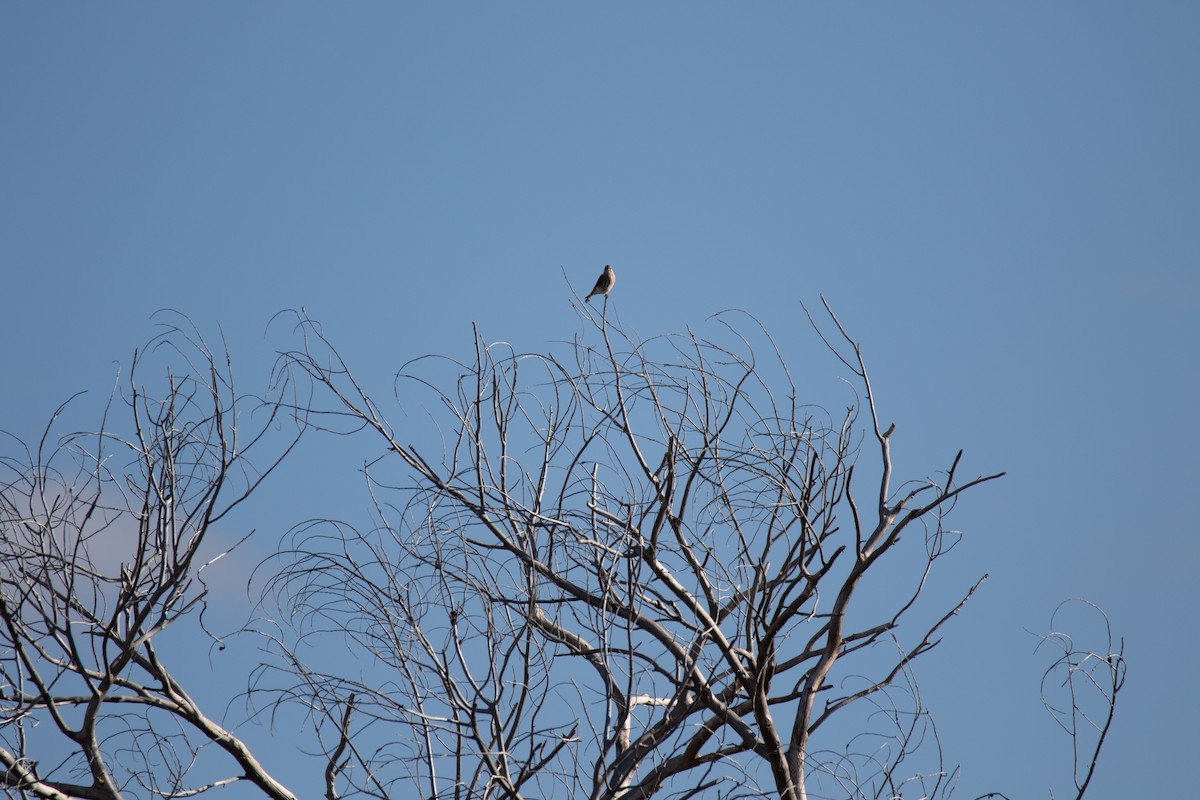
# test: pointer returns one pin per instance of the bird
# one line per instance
(604, 283)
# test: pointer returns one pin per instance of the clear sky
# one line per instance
(1001, 200)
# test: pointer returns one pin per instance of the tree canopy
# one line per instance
(630, 569)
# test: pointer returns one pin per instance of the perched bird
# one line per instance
(604, 283)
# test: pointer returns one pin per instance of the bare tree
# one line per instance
(629, 573)
(101, 553)
(633, 569)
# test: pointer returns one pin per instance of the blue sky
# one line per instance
(1001, 201)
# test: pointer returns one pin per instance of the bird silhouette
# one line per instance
(604, 283)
